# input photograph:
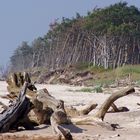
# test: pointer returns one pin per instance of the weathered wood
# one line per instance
(15, 82)
(45, 105)
(73, 112)
(105, 106)
(16, 113)
(48, 109)
(57, 128)
(88, 109)
(97, 119)
(117, 109)
(57, 113)
(47, 101)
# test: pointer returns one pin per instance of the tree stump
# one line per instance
(16, 114)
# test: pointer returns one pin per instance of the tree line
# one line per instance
(107, 37)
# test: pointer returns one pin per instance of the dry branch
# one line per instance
(106, 105)
(117, 109)
(57, 129)
(97, 119)
(16, 113)
(73, 112)
(88, 108)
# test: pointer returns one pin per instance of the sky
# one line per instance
(25, 20)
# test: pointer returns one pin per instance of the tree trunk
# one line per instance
(16, 113)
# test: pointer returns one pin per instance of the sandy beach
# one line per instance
(129, 122)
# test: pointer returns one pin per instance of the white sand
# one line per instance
(128, 121)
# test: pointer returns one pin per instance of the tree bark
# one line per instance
(16, 113)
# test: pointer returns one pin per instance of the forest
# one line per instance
(106, 37)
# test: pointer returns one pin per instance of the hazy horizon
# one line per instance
(27, 20)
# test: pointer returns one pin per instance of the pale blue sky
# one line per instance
(25, 20)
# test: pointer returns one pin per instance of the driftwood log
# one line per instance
(118, 109)
(48, 109)
(100, 114)
(105, 106)
(16, 114)
(60, 115)
(52, 110)
(15, 82)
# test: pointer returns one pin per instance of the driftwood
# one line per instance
(15, 82)
(57, 113)
(50, 102)
(97, 119)
(118, 109)
(57, 128)
(42, 112)
(60, 113)
(105, 106)
(16, 114)
(45, 105)
(73, 112)
(48, 109)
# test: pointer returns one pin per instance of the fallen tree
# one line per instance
(100, 114)
(16, 114)
(48, 109)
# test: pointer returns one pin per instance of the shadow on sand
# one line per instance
(73, 128)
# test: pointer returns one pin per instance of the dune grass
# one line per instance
(109, 76)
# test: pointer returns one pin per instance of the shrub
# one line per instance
(98, 89)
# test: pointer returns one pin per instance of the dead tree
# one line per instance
(16, 114)
(100, 114)
(15, 82)
(53, 110)
(61, 115)
(118, 109)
